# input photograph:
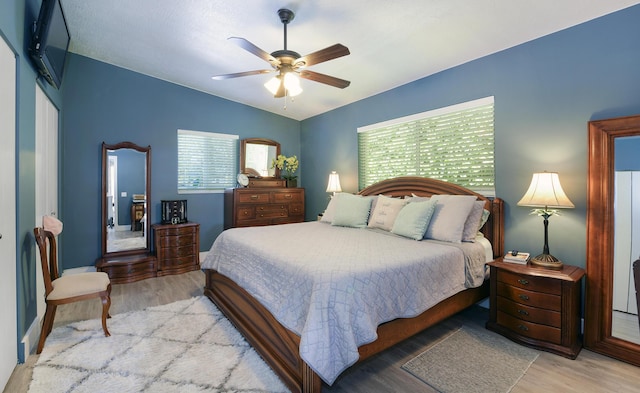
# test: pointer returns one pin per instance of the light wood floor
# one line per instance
(590, 372)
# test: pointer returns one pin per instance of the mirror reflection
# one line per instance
(125, 194)
(624, 322)
(256, 155)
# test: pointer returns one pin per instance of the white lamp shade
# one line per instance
(545, 191)
(334, 183)
(273, 85)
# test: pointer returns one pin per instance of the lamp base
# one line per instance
(546, 261)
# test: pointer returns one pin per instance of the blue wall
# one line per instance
(545, 93)
(111, 104)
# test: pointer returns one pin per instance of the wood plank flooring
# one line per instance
(590, 372)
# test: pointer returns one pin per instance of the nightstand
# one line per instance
(537, 307)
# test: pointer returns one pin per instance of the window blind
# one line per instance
(207, 161)
(453, 144)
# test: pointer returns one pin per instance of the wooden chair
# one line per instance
(636, 279)
(67, 289)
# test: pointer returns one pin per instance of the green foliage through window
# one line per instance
(454, 144)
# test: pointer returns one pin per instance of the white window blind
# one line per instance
(453, 144)
(207, 161)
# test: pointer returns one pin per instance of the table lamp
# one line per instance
(334, 183)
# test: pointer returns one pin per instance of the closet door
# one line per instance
(8, 250)
(46, 175)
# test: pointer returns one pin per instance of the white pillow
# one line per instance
(385, 211)
(472, 225)
(351, 210)
(327, 216)
(447, 222)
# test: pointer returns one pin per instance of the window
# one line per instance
(453, 144)
(207, 162)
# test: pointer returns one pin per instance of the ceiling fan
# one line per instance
(289, 64)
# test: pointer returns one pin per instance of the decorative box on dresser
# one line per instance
(537, 307)
(255, 206)
(177, 247)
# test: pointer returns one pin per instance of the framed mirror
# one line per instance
(611, 245)
(256, 155)
(126, 190)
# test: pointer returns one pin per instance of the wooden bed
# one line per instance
(279, 347)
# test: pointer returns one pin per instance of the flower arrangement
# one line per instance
(287, 164)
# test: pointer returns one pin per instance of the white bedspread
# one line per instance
(333, 286)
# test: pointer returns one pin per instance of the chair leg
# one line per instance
(47, 325)
(106, 303)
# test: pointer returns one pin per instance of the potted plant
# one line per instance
(288, 165)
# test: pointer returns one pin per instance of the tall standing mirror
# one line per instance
(126, 190)
(256, 155)
(612, 326)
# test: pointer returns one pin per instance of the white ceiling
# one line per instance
(391, 42)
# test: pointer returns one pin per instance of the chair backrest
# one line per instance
(48, 260)
(636, 280)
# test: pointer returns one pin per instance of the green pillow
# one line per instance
(351, 210)
(413, 219)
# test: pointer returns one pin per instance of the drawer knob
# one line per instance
(523, 312)
(523, 328)
(254, 197)
(523, 297)
(288, 196)
(523, 281)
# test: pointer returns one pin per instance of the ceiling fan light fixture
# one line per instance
(273, 84)
(292, 84)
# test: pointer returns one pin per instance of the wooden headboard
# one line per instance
(493, 230)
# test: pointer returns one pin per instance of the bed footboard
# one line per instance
(277, 345)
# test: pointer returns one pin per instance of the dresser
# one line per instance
(537, 307)
(177, 247)
(245, 207)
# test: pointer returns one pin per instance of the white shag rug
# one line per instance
(186, 346)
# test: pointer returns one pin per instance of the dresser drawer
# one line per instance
(296, 209)
(530, 329)
(531, 314)
(171, 263)
(253, 197)
(177, 231)
(176, 241)
(530, 283)
(530, 298)
(176, 252)
(287, 196)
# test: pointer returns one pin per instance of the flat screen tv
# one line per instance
(50, 42)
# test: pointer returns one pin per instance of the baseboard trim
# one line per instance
(30, 338)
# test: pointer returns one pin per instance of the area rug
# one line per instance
(187, 346)
(470, 360)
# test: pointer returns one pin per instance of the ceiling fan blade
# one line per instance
(249, 47)
(326, 79)
(239, 74)
(326, 54)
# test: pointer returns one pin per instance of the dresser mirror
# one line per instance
(611, 318)
(126, 190)
(256, 155)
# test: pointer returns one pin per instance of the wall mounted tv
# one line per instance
(50, 42)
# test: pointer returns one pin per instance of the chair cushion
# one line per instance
(78, 285)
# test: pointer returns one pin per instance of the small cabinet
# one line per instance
(537, 307)
(246, 207)
(137, 213)
(177, 247)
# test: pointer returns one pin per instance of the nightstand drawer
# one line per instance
(530, 283)
(176, 241)
(531, 314)
(530, 329)
(177, 252)
(530, 298)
